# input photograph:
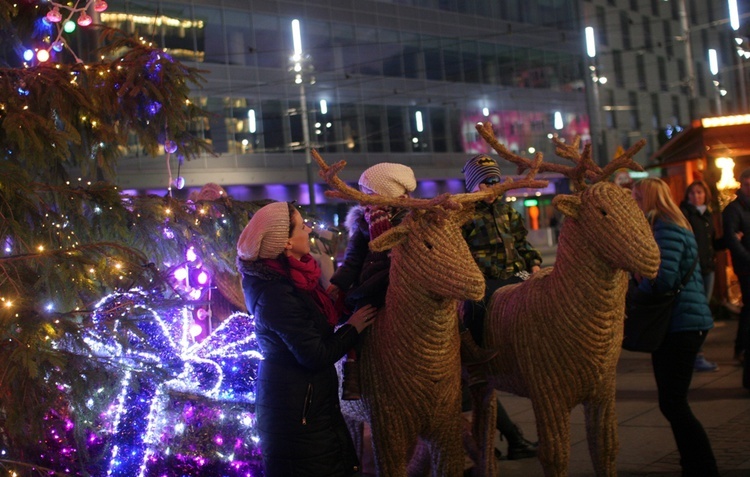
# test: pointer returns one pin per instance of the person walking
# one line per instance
(696, 206)
(736, 218)
(496, 236)
(690, 321)
(302, 431)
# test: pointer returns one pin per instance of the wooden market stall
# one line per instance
(715, 150)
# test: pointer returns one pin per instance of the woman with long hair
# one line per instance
(302, 431)
(691, 319)
(696, 206)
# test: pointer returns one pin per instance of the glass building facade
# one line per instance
(382, 81)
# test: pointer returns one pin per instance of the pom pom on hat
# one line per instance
(267, 233)
(478, 169)
(388, 179)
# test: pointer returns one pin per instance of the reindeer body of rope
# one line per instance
(559, 334)
(410, 361)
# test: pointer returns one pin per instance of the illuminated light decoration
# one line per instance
(84, 19)
(179, 183)
(140, 416)
(58, 46)
(181, 274)
(190, 255)
(727, 180)
(153, 108)
(28, 55)
(170, 146)
(151, 20)
(202, 278)
(725, 121)
(69, 26)
(100, 6)
(42, 56)
(54, 15)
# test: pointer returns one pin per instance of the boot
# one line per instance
(519, 447)
(471, 353)
(350, 388)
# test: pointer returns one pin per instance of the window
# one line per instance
(635, 122)
(619, 72)
(662, 65)
(655, 111)
(668, 39)
(625, 29)
(396, 129)
(648, 40)
(601, 24)
(641, 70)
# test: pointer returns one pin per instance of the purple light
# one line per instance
(181, 274)
(219, 440)
(202, 278)
(190, 255)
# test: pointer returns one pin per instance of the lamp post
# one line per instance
(594, 104)
(299, 69)
(713, 66)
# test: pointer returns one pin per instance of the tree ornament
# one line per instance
(100, 5)
(84, 20)
(170, 146)
(54, 15)
(58, 46)
(179, 183)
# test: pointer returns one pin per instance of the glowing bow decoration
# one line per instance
(181, 365)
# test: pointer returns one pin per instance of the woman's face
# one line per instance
(299, 243)
(697, 196)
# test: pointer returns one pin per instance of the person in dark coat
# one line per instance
(302, 431)
(696, 207)
(736, 218)
(690, 321)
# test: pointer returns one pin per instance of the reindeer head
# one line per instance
(605, 219)
(602, 217)
(428, 250)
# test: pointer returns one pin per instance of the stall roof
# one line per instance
(727, 136)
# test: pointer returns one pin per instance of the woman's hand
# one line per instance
(363, 317)
(333, 291)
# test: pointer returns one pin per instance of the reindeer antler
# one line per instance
(438, 204)
(584, 169)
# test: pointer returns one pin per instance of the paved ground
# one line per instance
(646, 444)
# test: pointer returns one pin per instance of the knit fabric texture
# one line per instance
(378, 221)
(267, 233)
(478, 169)
(388, 179)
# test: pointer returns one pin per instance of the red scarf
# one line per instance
(305, 275)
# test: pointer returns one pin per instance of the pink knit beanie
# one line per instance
(267, 233)
(388, 179)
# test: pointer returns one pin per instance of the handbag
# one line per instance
(647, 315)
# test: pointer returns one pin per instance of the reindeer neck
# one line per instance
(575, 259)
(408, 300)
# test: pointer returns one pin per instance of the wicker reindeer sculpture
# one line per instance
(559, 333)
(410, 361)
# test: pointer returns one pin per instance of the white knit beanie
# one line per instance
(388, 179)
(267, 233)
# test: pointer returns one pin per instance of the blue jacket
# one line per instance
(678, 252)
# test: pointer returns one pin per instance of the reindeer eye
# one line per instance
(428, 244)
(604, 212)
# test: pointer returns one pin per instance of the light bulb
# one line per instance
(54, 15)
(84, 20)
(170, 146)
(100, 5)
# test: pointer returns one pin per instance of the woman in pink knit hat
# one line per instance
(302, 431)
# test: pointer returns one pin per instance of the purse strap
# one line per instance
(687, 276)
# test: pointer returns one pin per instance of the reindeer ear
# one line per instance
(569, 205)
(390, 239)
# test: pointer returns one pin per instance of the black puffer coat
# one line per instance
(736, 217)
(364, 275)
(705, 234)
(302, 431)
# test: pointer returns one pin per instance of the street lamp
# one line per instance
(299, 69)
(594, 105)
(713, 66)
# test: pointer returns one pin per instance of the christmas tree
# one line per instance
(123, 351)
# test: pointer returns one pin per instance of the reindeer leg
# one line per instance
(484, 404)
(553, 428)
(393, 441)
(445, 446)
(601, 433)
